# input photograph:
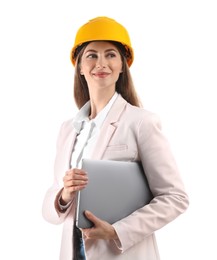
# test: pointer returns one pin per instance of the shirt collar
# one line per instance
(83, 114)
(99, 119)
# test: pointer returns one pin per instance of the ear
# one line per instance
(81, 72)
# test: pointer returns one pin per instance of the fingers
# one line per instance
(75, 179)
(76, 174)
(100, 230)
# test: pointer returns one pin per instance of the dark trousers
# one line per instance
(78, 245)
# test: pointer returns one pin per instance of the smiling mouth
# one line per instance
(101, 74)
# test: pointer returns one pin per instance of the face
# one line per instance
(101, 65)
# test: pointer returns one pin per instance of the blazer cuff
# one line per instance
(59, 207)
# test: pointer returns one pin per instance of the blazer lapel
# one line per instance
(109, 127)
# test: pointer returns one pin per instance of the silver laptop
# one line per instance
(115, 190)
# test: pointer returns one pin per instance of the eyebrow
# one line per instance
(107, 50)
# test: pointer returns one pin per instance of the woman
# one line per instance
(111, 125)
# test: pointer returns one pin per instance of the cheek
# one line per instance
(118, 68)
(84, 65)
(87, 67)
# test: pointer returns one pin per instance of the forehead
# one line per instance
(101, 45)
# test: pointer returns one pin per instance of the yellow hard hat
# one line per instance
(103, 29)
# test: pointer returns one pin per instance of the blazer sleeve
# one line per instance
(170, 198)
(50, 207)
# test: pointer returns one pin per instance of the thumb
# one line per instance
(91, 216)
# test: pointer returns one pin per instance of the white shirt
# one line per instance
(88, 131)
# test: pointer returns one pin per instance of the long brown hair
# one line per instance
(124, 84)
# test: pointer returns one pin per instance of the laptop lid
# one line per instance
(115, 189)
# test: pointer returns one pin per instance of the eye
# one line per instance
(111, 55)
(91, 56)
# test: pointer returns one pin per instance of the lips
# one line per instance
(101, 74)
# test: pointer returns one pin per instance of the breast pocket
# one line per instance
(120, 152)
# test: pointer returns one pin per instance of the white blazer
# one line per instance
(132, 134)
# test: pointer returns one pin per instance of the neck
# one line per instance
(99, 100)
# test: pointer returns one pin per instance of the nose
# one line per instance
(101, 63)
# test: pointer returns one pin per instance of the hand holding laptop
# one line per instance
(101, 230)
(115, 189)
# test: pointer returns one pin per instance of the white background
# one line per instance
(174, 72)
